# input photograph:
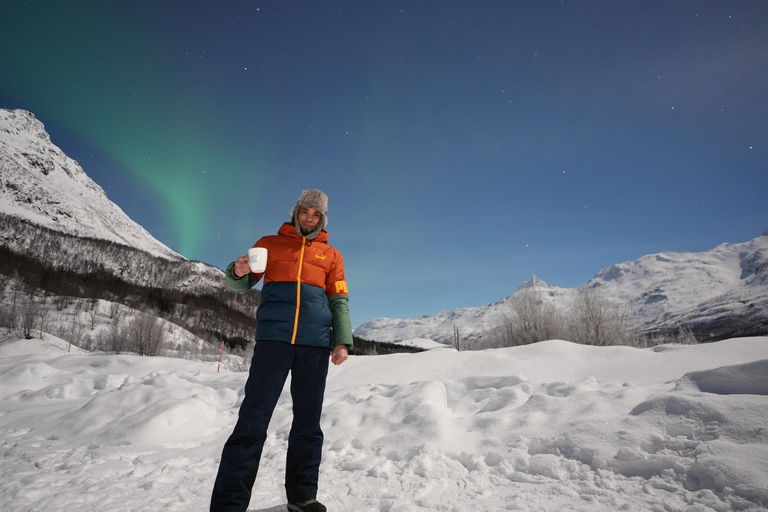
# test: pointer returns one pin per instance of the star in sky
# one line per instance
(464, 146)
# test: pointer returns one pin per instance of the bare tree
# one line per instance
(30, 291)
(42, 315)
(4, 279)
(61, 302)
(89, 343)
(10, 311)
(682, 336)
(530, 319)
(75, 334)
(29, 313)
(685, 336)
(93, 313)
(114, 338)
(115, 310)
(145, 333)
(535, 319)
(79, 305)
(593, 320)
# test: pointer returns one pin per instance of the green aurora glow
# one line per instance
(129, 100)
(464, 146)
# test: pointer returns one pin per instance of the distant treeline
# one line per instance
(210, 316)
(366, 347)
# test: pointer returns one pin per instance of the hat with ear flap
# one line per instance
(312, 198)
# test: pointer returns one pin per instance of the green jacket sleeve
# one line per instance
(241, 285)
(342, 325)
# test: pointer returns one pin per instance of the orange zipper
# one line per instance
(298, 293)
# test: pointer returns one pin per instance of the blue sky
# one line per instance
(465, 146)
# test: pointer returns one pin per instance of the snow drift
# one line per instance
(546, 427)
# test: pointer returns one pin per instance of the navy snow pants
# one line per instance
(272, 360)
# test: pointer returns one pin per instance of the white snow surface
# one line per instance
(43, 185)
(546, 427)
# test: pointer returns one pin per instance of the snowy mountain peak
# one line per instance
(534, 283)
(723, 291)
(43, 185)
(765, 233)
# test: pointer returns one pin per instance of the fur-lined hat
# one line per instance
(312, 198)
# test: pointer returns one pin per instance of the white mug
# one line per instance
(257, 259)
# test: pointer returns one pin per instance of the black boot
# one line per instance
(307, 506)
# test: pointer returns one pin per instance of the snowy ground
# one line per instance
(547, 427)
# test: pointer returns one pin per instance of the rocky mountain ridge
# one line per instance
(42, 184)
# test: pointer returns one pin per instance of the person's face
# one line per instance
(309, 218)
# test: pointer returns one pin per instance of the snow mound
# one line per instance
(743, 379)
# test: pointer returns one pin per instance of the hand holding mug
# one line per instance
(241, 266)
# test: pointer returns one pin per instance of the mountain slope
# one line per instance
(723, 291)
(719, 293)
(42, 184)
(44, 192)
(60, 233)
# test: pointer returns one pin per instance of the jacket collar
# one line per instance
(289, 230)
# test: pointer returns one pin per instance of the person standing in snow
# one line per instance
(302, 319)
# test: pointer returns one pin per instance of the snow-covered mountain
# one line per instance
(470, 322)
(723, 291)
(43, 185)
(49, 206)
(47, 198)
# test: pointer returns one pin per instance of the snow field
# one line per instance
(550, 426)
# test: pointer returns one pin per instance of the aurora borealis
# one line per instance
(464, 145)
(102, 76)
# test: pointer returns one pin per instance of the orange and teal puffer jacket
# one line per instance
(304, 299)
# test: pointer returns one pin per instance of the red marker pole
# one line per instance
(220, 354)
